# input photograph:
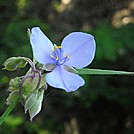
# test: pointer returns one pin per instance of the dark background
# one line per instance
(105, 104)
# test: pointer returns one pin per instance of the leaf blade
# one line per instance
(102, 72)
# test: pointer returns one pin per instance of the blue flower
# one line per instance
(77, 50)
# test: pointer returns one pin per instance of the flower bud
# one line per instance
(14, 84)
(13, 63)
(12, 97)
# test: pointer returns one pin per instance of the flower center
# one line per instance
(58, 56)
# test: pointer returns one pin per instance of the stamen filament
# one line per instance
(57, 55)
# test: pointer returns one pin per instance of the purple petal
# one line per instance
(59, 78)
(41, 45)
(80, 47)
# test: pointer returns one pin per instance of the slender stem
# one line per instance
(39, 80)
(8, 110)
(50, 92)
(30, 62)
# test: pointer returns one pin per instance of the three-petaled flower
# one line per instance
(77, 50)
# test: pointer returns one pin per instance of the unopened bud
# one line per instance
(14, 84)
(12, 97)
(13, 63)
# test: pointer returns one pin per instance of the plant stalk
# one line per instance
(9, 110)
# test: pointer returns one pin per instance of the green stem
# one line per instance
(8, 110)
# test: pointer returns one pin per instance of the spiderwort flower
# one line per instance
(77, 50)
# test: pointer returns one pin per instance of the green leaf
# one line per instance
(35, 109)
(102, 72)
(30, 101)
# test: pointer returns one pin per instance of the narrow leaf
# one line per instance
(102, 72)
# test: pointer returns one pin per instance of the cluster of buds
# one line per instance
(29, 88)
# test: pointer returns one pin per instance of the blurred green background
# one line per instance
(105, 104)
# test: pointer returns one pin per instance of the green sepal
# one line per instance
(49, 67)
(70, 69)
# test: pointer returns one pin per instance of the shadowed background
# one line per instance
(105, 104)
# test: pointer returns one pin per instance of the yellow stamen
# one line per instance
(67, 56)
(57, 58)
(51, 56)
(53, 49)
(57, 46)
